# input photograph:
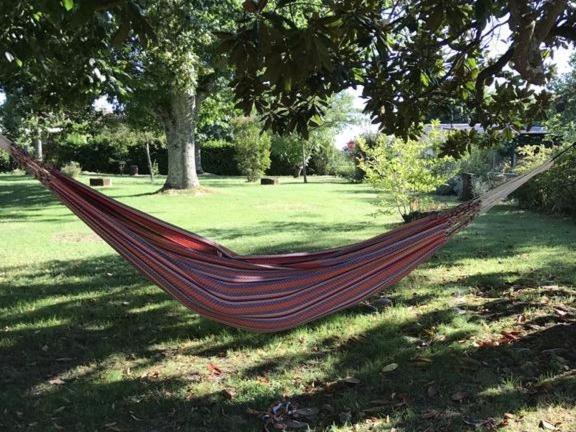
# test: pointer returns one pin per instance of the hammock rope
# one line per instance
(264, 293)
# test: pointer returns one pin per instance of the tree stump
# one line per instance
(100, 182)
(467, 191)
(269, 181)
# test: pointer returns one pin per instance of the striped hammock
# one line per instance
(260, 293)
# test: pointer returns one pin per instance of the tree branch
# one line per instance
(490, 71)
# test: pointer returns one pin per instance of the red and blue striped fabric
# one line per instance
(258, 293)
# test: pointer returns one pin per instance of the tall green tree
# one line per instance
(157, 60)
(176, 73)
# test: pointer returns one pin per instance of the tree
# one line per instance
(160, 68)
(175, 73)
(406, 171)
(297, 151)
(252, 148)
(409, 56)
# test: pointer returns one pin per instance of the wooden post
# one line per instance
(150, 167)
(304, 162)
(467, 192)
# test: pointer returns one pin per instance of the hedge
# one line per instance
(219, 157)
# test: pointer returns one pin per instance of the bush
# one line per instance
(72, 169)
(406, 171)
(6, 162)
(553, 191)
(252, 148)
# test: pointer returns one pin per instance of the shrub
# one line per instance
(6, 163)
(72, 169)
(553, 191)
(406, 171)
(252, 148)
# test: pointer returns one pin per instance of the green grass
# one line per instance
(86, 344)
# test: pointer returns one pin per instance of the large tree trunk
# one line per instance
(180, 126)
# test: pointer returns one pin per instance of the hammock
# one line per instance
(265, 293)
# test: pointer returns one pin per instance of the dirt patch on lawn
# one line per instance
(199, 191)
(77, 238)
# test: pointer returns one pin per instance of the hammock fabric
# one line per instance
(260, 293)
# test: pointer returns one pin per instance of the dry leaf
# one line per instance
(391, 367)
(560, 312)
(350, 381)
(229, 394)
(431, 414)
(214, 369)
(547, 425)
(460, 396)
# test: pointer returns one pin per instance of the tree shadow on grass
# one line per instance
(21, 200)
(87, 318)
(69, 327)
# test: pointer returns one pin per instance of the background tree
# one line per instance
(161, 67)
(409, 56)
(252, 148)
(176, 72)
(406, 172)
(298, 152)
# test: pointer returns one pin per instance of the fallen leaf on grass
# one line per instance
(431, 414)
(547, 425)
(229, 394)
(560, 312)
(390, 368)
(350, 381)
(460, 396)
(421, 360)
(214, 369)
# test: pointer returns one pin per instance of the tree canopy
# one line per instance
(408, 56)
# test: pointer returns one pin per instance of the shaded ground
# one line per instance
(483, 335)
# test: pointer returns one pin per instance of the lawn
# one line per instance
(481, 337)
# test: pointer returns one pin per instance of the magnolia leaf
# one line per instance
(68, 4)
(391, 367)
